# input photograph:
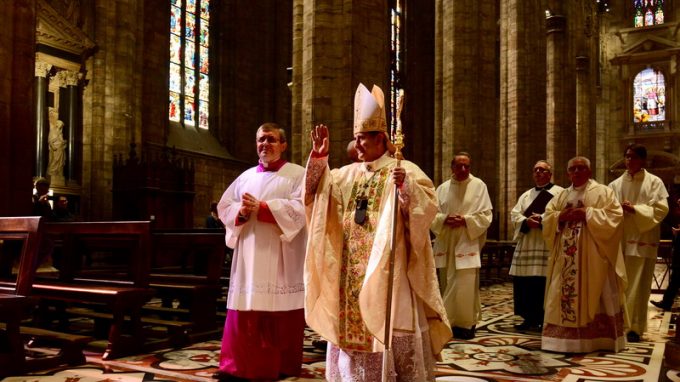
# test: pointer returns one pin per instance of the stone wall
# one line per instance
(17, 111)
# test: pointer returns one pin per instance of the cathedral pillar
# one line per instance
(558, 139)
(42, 69)
(302, 147)
(522, 111)
(583, 101)
(466, 86)
(341, 43)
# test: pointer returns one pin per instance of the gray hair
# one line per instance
(580, 158)
(544, 161)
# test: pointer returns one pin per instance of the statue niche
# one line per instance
(57, 148)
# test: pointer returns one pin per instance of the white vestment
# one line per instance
(531, 255)
(459, 249)
(346, 269)
(267, 264)
(641, 230)
(462, 245)
(586, 274)
(641, 234)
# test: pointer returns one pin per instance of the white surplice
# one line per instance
(586, 274)
(462, 245)
(640, 242)
(267, 264)
(531, 255)
(459, 249)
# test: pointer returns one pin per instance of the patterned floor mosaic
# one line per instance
(498, 354)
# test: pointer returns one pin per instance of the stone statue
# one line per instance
(57, 146)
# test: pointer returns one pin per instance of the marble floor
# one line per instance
(497, 354)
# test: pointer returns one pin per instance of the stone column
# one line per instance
(522, 109)
(342, 43)
(300, 147)
(41, 149)
(557, 145)
(465, 82)
(440, 153)
(583, 101)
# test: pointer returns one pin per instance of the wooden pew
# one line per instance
(496, 258)
(122, 291)
(15, 303)
(187, 266)
(663, 258)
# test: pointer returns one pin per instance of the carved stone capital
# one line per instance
(555, 24)
(42, 69)
(68, 78)
(582, 63)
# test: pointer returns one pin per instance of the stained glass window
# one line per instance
(649, 97)
(648, 12)
(189, 81)
(395, 65)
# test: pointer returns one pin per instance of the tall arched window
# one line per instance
(648, 12)
(189, 75)
(649, 99)
(395, 65)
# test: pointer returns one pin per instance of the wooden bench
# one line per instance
(15, 303)
(177, 332)
(663, 258)
(496, 258)
(187, 267)
(83, 278)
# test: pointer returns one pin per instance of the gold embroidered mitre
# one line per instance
(369, 110)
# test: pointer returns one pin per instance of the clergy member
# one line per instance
(643, 198)
(264, 219)
(349, 214)
(460, 226)
(586, 275)
(529, 262)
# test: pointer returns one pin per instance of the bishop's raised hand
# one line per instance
(320, 143)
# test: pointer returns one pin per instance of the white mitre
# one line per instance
(369, 110)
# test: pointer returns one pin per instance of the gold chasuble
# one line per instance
(346, 266)
(586, 274)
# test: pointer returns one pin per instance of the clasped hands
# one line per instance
(455, 221)
(573, 214)
(534, 221)
(249, 205)
(628, 207)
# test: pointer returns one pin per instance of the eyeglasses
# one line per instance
(579, 167)
(267, 138)
(540, 170)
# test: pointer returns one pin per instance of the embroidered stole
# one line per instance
(357, 244)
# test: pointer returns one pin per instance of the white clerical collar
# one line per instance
(581, 187)
(454, 180)
(639, 176)
(377, 164)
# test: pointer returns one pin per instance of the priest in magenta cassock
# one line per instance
(264, 219)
